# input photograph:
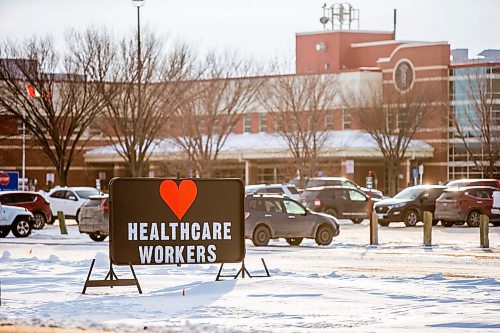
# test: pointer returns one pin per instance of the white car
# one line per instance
(495, 209)
(69, 200)
(285, 189)
(16, 219)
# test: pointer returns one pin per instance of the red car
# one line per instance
(32, 201)
(474, 182)
(458, 205)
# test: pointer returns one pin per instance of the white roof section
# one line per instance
(382, 42)
(339, 144)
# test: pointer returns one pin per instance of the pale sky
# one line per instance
(263, 29)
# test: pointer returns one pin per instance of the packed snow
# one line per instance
(349, 286)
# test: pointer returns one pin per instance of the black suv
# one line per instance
(273, 216)
(341, 202)
(408, 205)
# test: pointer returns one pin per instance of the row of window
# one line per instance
(329, 121)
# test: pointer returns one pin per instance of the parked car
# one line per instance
(32, 201)
(16, 219)
(495, 209)
(458, 205)
(69, 200)
(408, 205)
(270, 216)
(474, 182)
(338, 201)
(341, 181)
(94, 217)
(285, 189)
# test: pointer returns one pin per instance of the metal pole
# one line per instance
(394, 28)
(23, 171)
(139, 65)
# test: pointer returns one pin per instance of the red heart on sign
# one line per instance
(179, 199)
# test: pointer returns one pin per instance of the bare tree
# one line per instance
(392, 120)
(300, 104)
(140, 93)
(476, 120)
(213, 107)
(55, 108)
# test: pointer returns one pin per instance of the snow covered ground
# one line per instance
(349, 286)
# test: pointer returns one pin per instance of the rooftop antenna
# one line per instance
(324, 19)
(340, 15)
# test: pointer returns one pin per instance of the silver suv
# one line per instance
(270, 216)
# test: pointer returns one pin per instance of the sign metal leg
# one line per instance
(111, 279)
(242, 271)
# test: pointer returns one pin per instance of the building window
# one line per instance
(403, 119)
(329, 120)
(263, 122)
(94, 128)
(20, 127)
(247, 122)
(217, 125)
(346, 119)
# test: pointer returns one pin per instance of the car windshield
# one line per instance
(409, 194)
(293, 189)
(85, 194)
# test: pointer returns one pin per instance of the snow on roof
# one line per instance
(258, 144)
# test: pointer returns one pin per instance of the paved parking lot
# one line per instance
(455, 251)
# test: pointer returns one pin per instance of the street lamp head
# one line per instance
(138, 3)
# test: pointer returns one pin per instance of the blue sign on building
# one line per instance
(9, 181)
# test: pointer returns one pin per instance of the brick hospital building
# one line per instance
(357, 59)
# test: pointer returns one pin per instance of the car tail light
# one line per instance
(105, 206)
(247, 214)
(317, 202)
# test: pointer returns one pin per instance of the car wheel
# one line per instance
(447, 224)
(384, 223)
(324, 235)
(331, 211)
(52, 220)
(261, 236)
(77, 217)
(294, 241)
(411, 218)
(21, 228)
(4, 232)
(97, 237)
(40, 220)
(473, 219)
(357, 220)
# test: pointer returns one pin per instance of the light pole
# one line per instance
(138, 4)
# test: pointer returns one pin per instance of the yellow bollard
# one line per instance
(374, 229)
(484, 226)
(62, 223)
(427, 228)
